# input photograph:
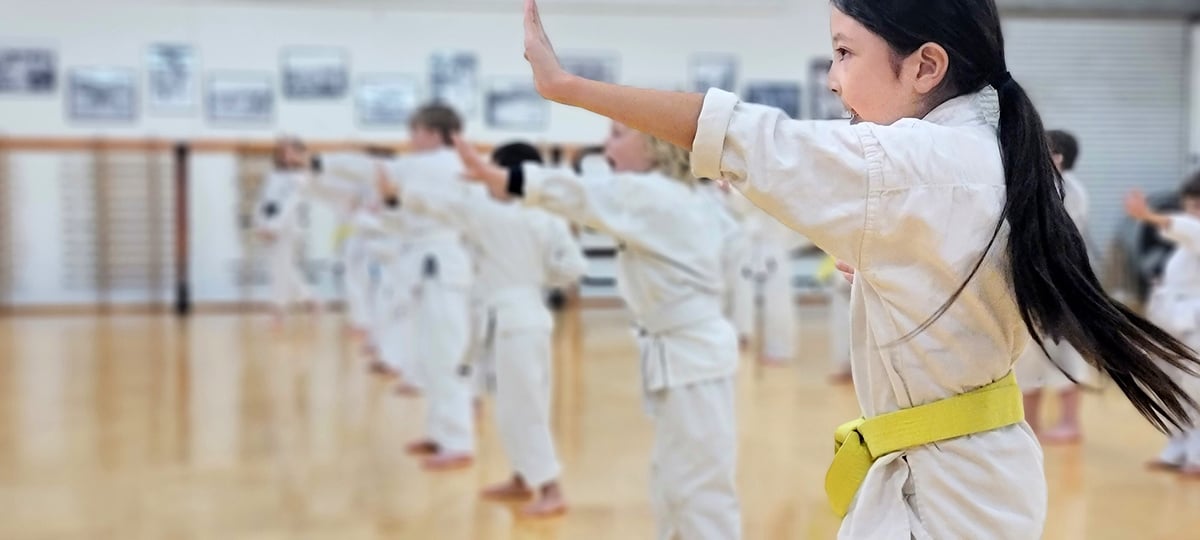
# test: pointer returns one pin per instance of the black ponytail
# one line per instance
(1057, 293)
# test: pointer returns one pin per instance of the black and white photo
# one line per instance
(823, 103)
(453, 78)
(171, 77)
(102, 94)
(386, 100)
(593, 66)
(783, 95)
(244, 98)
(28, 70)
(711, 70)
(315, 73)
(514, 104)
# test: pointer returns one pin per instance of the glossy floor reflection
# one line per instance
(137, 427)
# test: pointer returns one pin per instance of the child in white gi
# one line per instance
(1035, 370)
(1175, 305)
(671, 242)
(277, 222)
(522, 250)
(942, 194)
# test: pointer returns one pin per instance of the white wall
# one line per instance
(1195, 132)
(249, 36)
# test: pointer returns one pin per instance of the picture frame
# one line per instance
(386, 99)
(713, 70)
(783, 95)
(314, 73)
(513, 104)
(235, 97)
(454, 79)
(171, 84)
(102, 94)
(28, 70)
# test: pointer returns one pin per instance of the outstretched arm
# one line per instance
(670, 116)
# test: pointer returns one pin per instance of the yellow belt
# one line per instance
(859, 443)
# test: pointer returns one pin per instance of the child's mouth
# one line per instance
(854, 117)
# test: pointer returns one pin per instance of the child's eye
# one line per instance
(842, 53)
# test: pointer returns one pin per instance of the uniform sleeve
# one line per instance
(814, 176)
(1184, 231)
(609, 205)
(455, 205)
(565, 262)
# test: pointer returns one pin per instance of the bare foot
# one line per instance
(512, 490)
(841, 378)
(1160, 465)
(1062, 435)
(550, 504)
(772, 361)
(1190, 471)
(447, 462)
(407, 390)
(379, 368)
(424, 447)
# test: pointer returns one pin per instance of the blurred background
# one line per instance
(134, 136)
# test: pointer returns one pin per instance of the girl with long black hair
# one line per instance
(942, 194)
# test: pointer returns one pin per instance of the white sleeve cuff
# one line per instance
(711, 127)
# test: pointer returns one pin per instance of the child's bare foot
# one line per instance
(407, 390)
(773, 361)
(379, 368)
(1160, 465)
(1062, 435)
(424, 447)
(513, 489)
(550, 504)
(841, 378)
(447, 462)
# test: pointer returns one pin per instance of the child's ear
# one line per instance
(932, 64)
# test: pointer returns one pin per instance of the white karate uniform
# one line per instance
(839, 323)
(1175, 306)
(669, 272)
(521, 251)
(1034, 369)
(278, 213)
(346, 198)
(434, 259)
(734, 254)
(911, 206)
(767, 271)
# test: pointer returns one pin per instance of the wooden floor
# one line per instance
(136, 427)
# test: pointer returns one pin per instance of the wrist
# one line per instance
(563, 87)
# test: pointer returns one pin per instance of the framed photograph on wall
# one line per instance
(240, 98)
(823, 103)
(315, 73)
(171, 77)
(713, 70)
(591, 65)
(28, 70)
(102, 94)
(386, 100)
(783, 95)
(453, 80)
(514, 104)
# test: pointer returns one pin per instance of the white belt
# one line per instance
(654, 326)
